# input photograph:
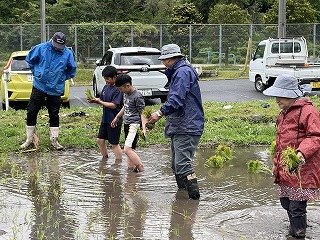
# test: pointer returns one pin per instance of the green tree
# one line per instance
(316, 7)
(296, 12)
(228, 13)
(185, 14)
(11, 11)
(203, 7)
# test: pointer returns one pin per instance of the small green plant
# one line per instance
(272, 148)
(256, 166)
(147, 112)
(290, 159)
(88, 94)
(223, 154)
(215, 161)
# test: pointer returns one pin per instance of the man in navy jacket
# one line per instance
(51, 64)
(184, 116)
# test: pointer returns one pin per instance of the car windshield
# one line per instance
(19, 64)
(140, 59)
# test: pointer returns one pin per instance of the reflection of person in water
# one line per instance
(182, 217)
(113, 199)
(51, 219)
(136, 208)
(123, 208)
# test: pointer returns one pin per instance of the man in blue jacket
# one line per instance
(184, 116)
(51, 64)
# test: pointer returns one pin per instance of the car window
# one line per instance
(19, 64)
(138, 59)
(286, 47)
(259, 51)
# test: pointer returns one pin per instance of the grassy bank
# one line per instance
(245, 123)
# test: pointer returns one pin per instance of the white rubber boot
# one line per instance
(54, 134)
(30, 131)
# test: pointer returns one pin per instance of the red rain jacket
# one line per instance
(299, 127)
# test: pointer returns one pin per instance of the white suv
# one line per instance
(141, 63)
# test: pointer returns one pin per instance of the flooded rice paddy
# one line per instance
(77, 195)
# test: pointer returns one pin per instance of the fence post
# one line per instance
(21, 39)
(314, 39)
(220, 44)
(190, 43)
(76, 41)
(131, 35)
(160, 36)
(103, 40)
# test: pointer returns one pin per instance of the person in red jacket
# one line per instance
(298, 126)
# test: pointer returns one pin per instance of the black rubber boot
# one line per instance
(191, 184)
(180, 182)
(299, 226)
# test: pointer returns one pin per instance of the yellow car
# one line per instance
(20, 81)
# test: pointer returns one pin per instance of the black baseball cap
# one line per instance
(59, 40)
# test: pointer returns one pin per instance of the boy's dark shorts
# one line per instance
(112, 135)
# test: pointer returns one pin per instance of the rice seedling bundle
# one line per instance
(290, 159)
(256, 166)
(88, 94)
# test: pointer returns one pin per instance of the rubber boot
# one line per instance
(299, 226)
(191, 184)
(180, 182)
(30, 131)
(54, 134)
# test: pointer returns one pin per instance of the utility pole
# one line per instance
(43, 20)
(282, 19)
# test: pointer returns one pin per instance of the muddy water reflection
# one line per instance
(76, 195)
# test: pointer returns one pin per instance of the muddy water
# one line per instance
(76, 195)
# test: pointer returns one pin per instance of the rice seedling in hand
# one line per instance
(290, 159)
(256, 166)
(88, 95)
(147, 114)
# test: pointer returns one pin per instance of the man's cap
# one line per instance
(170, 51)
(59, 40)
(285, 86)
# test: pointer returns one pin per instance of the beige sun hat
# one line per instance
(285, 86)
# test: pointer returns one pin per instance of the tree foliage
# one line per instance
(185, 14)
(296, 12)
(228, 13)
(156, 12)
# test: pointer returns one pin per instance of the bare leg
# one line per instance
(134, 158)
(102, 147)
(117, 151)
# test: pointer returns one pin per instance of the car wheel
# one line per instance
(259, 85)
(65, 104)
(95, 87)
(163, 99)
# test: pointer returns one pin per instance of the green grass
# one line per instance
(246, 123)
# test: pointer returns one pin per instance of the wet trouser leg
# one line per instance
(297, 212)
(183, 148)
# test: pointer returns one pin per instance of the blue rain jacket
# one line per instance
(51, 68)
(183, 108)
